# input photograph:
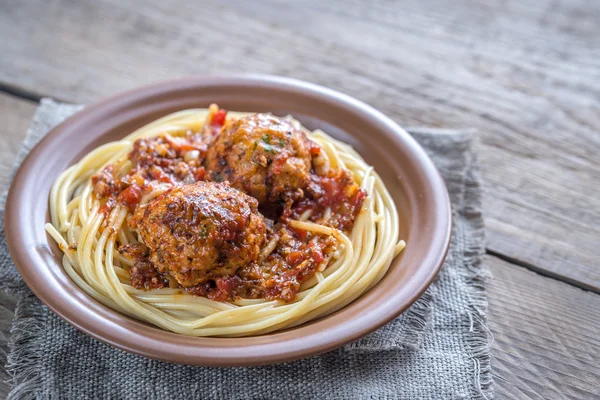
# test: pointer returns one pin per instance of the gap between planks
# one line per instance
(19, 92)
(542, 271)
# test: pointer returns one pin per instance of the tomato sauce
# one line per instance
(164, 159)
(334, 201)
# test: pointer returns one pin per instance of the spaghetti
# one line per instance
(354, 250)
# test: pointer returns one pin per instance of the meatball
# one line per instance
(262, 155)
(201, 231)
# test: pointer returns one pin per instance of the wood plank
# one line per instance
(546, 336)
(523, 73)
(16, 116)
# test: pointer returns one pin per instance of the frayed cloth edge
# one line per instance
(25, 349)
(479, 338)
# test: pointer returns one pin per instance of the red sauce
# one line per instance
(315, 150)
(219, 118)
(334, 201)
(108, 206)
(131, 196)
(220, 289)
(339, 193)
(142, 274)
(165, 159)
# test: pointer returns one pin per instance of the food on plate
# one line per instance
(264, 156)
(215, 223)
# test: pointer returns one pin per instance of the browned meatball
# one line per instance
(201, 231)
(261, 155)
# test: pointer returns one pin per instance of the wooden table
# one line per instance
(525, 74)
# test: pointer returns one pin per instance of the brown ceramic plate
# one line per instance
(414, 182)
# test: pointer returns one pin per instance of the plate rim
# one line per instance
(26, 260)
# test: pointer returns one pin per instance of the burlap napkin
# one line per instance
(439, 349)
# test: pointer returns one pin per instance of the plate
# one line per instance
(414, 183)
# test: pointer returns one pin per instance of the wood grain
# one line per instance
(16, 115)
(547, 336)
(525, 74)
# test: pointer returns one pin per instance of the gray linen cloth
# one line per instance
(439, 349)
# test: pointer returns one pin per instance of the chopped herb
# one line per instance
(281, 142)
(255, 145)
(203, 232)
(269, 149)
(266, 138)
